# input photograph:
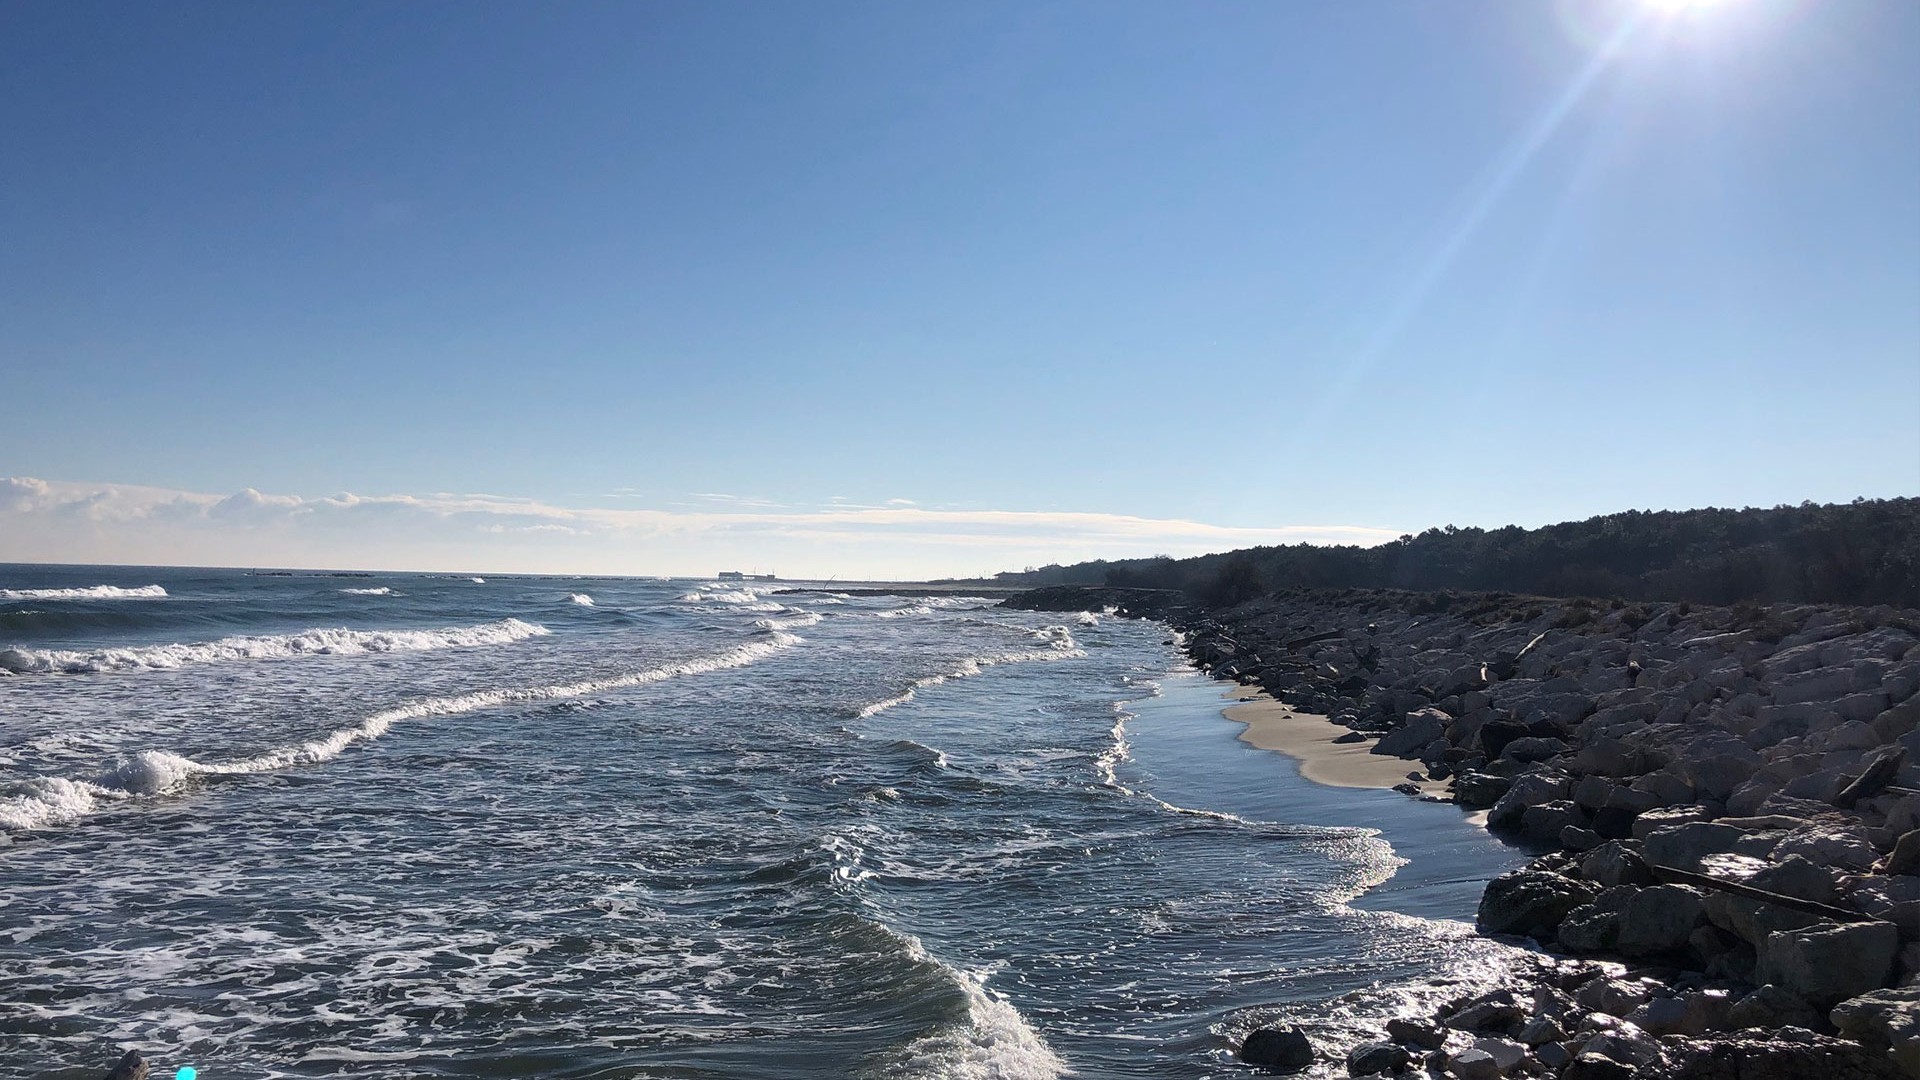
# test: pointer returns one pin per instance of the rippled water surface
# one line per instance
(439, 826)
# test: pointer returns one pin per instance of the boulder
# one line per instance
(1593, 1066)
(1543, 824)
(1645, 825)
(1532, 748)
(1826, 844)
(1422, 726)
(1793, 1054)
(1614, 997)
(1284, 1049)
(1505, 1052)
(1473, 1065)
(1478, 790)
(1884, 1020)
(1419, 1033)
(1684, 846)
(1595, 927)
(1771, 1006)
(1530, 902)
(1616, 862)
(1826, 963)
(1659, 920)
(1889, 899)
(1377, 1057)
(130, 1067)
(1529, 789)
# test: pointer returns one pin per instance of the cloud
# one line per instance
(43, 520)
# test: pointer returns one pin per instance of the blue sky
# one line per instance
(1009, 282)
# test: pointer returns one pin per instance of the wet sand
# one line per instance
(1308, 739)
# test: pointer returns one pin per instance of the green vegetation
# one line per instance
(1863, 552)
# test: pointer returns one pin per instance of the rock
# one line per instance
(1889, 899)
(131, 1067)
(1647, 823)
(1553, 1055)
(1498, 1011)
(1505, 1052)
(1752, 920)
(1543, 824)
(1614, 997)
(1615, 863)
(1416, 1033)
(1530, 902)
(1277, 1049)
(1826, 963)
(1884, 1020)
(1625, 1044)
(1683, 846)
(1793, 1054)
(1905, 858)
(1496, 734)
(1659, 920)
(1595, 927)
(1528, 789)
(1541, 1030)
(1478, 790)
(1473, 1065)
(1829, 845)
(1665, 1016)
(1421, 727)
(1532, 748)
(1771, 1006)
(1379, 1057)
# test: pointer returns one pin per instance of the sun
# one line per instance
(1675, 7)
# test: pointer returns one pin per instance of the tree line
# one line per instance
(1865, 552)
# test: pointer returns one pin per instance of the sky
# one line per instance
(907, 290)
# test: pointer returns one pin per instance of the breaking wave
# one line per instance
(381, 591)
(580, 598)
(55, 800)
(94, 592)
(1060, 647)
(319, 642)
(988, 1040)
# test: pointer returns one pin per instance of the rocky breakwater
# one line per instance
(1727, 801)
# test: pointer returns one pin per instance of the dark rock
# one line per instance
(1596, 1067)
(131, 1067)
(1884, 1020)
(1478, 790)
(1791, 1054)
(1378, 1057)
(1530, 902)
(1496, 734)
(1829, 962)
(1277, 1049)
(1772, 1006)
(1416, 1033)
(1659, 920)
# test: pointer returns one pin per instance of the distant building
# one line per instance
(732, 575)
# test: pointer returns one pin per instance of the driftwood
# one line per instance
(1873, 780)
(1754, 892)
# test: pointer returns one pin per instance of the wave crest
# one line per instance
(93, 592)
(317, 642)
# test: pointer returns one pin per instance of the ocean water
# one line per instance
(410, 825)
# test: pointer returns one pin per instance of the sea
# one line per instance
(300, 824)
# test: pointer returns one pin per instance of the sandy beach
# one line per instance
(1308, 739)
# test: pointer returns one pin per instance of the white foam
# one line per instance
(580, 598)
(95, 592)
(1058, 649)
(381, 591)
(478, 580)
(55, 800)
(790, 619)
(994, 1043)
(318, 642)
